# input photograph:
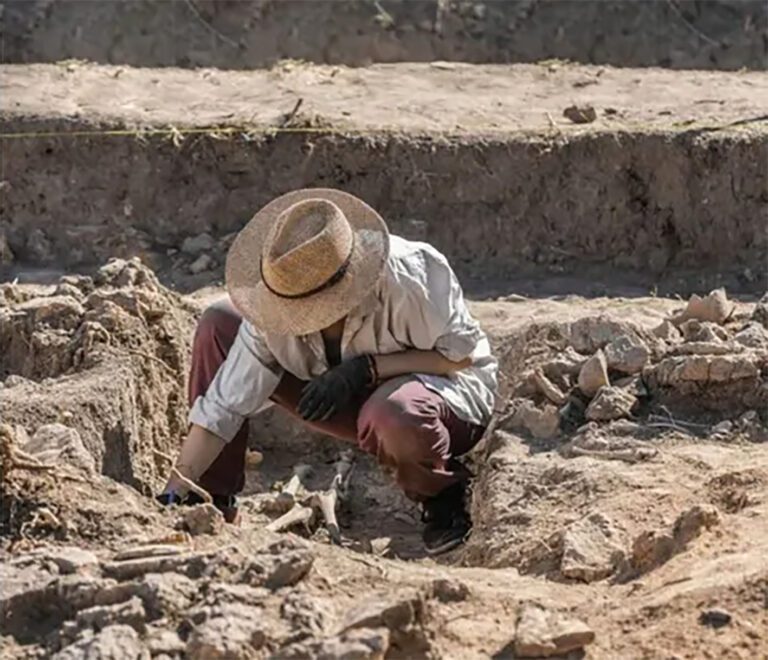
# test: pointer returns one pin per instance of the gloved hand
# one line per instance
(326, 395)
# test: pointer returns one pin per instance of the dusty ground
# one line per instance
(664, 191)
(631, 522)
(713, 34)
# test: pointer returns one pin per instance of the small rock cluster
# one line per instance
(701, 353)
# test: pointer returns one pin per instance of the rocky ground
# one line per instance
(619, 502)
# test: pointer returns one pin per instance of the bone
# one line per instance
(148, 551)
(288, 495)
(326, 500)
(298, 514)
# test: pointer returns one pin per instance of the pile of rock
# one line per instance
(702, 356)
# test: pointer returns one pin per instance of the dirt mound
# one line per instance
(614, 506)
(560, 490)
(105, 356)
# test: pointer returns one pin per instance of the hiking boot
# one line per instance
(447, 522)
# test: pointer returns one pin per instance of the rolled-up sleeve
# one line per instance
(241, 387)
(428, 308)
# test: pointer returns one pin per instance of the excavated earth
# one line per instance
(620, 497)
(662, 188)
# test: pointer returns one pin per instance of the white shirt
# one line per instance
(418, 304)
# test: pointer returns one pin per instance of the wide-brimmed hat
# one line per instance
(306, 260)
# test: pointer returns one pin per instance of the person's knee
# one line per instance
(400, 432)
(217, 324)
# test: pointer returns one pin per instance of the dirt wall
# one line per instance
(708, 34)
(638, 206)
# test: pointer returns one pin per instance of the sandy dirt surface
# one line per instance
(714, 34)
(434, 97)
(664, 190)
(619, 496)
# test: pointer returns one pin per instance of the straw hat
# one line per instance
(306, 260)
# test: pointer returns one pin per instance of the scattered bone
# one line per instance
(299, 514)
(326, 500)
(548, 388)
(714, 307)
(594, 374)
(611, 403)
(542, 633)
(634, 385)
(131, 568)
(288, 496)
(203, 519)
(147, 551)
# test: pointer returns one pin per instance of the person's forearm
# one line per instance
(198, 452)
(417, 362)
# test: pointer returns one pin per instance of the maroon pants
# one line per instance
(410, 429)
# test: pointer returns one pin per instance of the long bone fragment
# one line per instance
(326, 500)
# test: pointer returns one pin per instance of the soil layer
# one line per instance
(706, 34)
(666, 188)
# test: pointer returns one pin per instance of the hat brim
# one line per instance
(302, 316)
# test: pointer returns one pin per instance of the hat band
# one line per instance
(332, 280)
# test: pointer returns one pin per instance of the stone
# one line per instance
(356, 644)
(667, 331)
(203, 519)
(244, 594)
(118, 642)
(65, 289)
(56, 443)
(723, 428)
(160, 640)
(165, 594)
(753, 335)
(282, 563)
(130, 613)
(679, 370)
(542, 423)
(236, 634)
(760, 314)
(707, 348)
(593, 374)
(60, 312)
(14, 380)
(695, 330)
(634, 385)
(565, 363)
(592, 549)
(201, 264)
(385, 610)
(448, 590)
(611, 403)
(194, 245)
(542, 633)
(305, 614)
(626, 354)
(70, 559)
(715, 617)
(714, 307)
(580, 114)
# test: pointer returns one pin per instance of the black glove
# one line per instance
(326, 395)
